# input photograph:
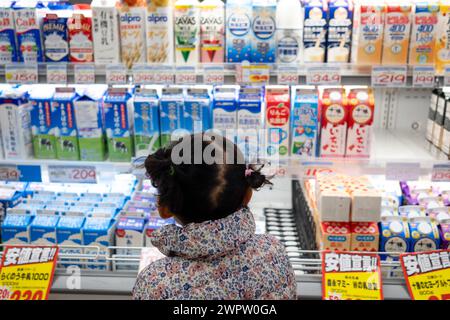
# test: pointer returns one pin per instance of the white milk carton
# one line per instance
(263, 30)
(289, 31)
(224, 110)
(160, 40)
(8, 46)
(43, 230)
(99, 232)
(238, 30)
(105, 31)
(130, 233)
(16, 229)
(68, 233)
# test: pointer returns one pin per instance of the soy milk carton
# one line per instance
(43, 230)
(423, 33)
(340, 26)
(238, 30)
(315, 30)
(397, 31)
(197, 110)
(277, 120)
(171, 113)
(443, 36)
(212, 31)
(56, 38)
(263, 30)
(8, 46)
(187, 31)
(160, 41)
(224, 110)
(98, 232)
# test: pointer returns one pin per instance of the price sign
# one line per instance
(389, 77)
(84, 73)
(424, 76)
(116, 74)
(427, 274)
(287, 75)
(20, 173)
(143, 74)
(72, 174)
(214, 75)
(9, 173)
(57, 73)
(258, 74)
(351, 276)
(323, 76)
(185, 75)
(402, 171)
(163, 74)
(19, 73)
(441, 172)
(27, 272)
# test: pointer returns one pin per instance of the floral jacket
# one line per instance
(221, 259)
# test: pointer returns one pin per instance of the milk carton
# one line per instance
(81, 43)
(43, 230)
(132, 34)
(424, 235)
(16, 229)
(160, 40)
(249, 120)
(442, 36)
(315, 30)
(335, 236)
(432, 113)
(368, 29)
(118, 109)
(365, 236)
(397, 31)
(89, 122)
(394, 237)
(277, 120)
(334, 123)
(8, 46)
(212, 31)
(56, 38)
(155, 223)
(289, 31)
(15, 124)
(423, 33)
(238, 30)
(361, 110)
(224, 110)
(340, 26)
(187, 31)
(68, 233)
(105, 31)
(171, 113)
(98, 232)
(43, 122)
(197, 110)
(66, 133)
(305, 123)
(130, 233)
(146, 122)
(263, 30)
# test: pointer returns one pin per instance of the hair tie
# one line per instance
(171, 170)
(248, 172)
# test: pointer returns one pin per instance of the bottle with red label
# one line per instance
(81, 46)
(277, 120)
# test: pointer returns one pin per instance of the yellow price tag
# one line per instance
(27, 272)
(351, 276)
(427, 274)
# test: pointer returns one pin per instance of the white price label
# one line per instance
(288, 75)
(116, 74)
(9, 173)
(402, 171)
(214, 75)
(389, 77)
(57, 73)
(163, 74)
(447, 76)
(72, 174)
(185, 75)
(143, 74)
(84, 73)
(424, 76)
(323, 76)
(441, 172)
(254, 74)
(18, 73)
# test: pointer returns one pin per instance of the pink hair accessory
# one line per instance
(248, 172)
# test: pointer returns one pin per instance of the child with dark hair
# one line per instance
(213, 252)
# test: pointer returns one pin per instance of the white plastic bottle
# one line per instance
(289, 31)
(187, 31)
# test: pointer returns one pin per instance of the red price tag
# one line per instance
(116, 74)
(185, 75)
(287, 75)
(75, 174)
(57, 73)
(324, 76)
(424, 76)
(84, 74)
(21, 73)
(214, 75)
(389, 77)
(441, 172)
(9, 173)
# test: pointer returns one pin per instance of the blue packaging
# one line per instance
(16, 229)
(224, 110)
(8, 46)
(98, 232)
(43, 230)
(171, 113)
(263, 31)
(68, 233)
(56, 38)
(315, 30)
(238, 30)
(340, 26)
(197, 110)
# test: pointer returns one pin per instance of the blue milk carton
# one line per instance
(340, 25)
(315, 29)
(224, 111)
(171, 113)
(118, 109)
(68, 233)
(130, 233)
(29, 40)
(8, 46)
(263, 30)
(197, 109)
(66, 126)
(99, 232)
(16, 229)
(238, 30)
(424, 234)
(146, 121)
(43, 122)
(43, 230)
(56, 38)
(305, 123)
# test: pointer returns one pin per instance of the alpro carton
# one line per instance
(43, 230)
(197, 109)
(15, 124)
(16, 229)
(160, 42)
(423, 33)
(365, 236)
(89, 122)
(224, 109)
(66, 132)
(315, 30)
(105, 31)
(340, 26)
(171, 112)
(98, 232)
(56, 37)
(305, 123)
(68, 233)
(118, 110)
(277, 120)
(29, 39)
(8, 46)
(263, 30)
(146, 121)
(239, 17)
(43, 122)
(424, 234)
(130, 233)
